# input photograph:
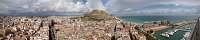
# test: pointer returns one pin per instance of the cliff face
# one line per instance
(97, 15)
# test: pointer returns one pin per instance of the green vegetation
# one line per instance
(149, 37)
(150, 31)
(147, 34)
(137, 28)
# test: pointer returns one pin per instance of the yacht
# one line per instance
(164, 34)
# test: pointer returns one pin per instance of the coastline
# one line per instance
(158, 28)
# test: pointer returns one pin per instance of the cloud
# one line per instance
(65, 6)
(142, 3)
(122, 4)
(95, 4)
(68, 6)
(166, 11)
(128, 9)
(55, 5)
(139, 6)
(3, 8)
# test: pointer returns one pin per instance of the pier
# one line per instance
(171, 32)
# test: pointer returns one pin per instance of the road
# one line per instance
(51, 31)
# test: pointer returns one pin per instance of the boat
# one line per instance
(183, 39)
(165, 35)
(187, 28)
(171, 33)
(176, 30)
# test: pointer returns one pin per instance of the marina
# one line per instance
(169, 33)
(186, 36)
(175, 31)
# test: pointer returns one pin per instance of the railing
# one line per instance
(194, 33)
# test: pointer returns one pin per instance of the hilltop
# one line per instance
(97, 15)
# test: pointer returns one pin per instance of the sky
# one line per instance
(116, 7)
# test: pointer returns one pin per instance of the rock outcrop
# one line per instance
(97, 15)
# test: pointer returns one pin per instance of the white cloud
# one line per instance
(166, 11)
(65, 6)
(184, 2)
(95, 4)
(123, 6)
(128, 9)
(51, 5)
(56, 5)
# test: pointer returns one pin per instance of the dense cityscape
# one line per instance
(100, 20)
(67, 28)
(95, 25)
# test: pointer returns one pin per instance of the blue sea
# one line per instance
(177, 36)
(141, 19)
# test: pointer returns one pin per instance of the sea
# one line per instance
(177, 36)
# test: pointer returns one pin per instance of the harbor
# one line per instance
(179, 33)
(171, 32)
(187, 35)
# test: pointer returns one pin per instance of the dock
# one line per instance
(169, 33)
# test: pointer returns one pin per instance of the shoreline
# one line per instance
(158, 28)
(183, 23)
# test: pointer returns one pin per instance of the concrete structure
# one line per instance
(196, 31)
(155, 23)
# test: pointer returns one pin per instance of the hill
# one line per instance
(97, 15)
